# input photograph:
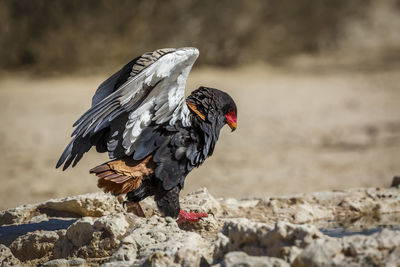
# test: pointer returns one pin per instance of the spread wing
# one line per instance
(126, 104)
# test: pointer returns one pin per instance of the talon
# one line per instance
(134, 207)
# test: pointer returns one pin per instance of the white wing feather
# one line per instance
(166, 102)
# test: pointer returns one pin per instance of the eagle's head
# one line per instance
(213, 106)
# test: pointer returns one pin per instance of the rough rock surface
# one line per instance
(7, 258)
(34, 245)
(94, 205)
(77, 262)
(240, 259)
(379, 249)
(282, 241)
(94, 238)
(344, 228)
(161, 241)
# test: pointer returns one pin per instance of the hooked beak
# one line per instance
(232, 125)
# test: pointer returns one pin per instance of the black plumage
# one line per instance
(153, 134)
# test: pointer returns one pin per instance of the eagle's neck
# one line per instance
(208, 133)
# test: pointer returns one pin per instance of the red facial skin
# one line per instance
(231, 120)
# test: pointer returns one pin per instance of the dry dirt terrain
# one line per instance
(298, 132)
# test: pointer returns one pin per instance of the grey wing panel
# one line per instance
(130, 70)
(106, 88)
(147, 143)
(92, 123)
(115, 81)
(115, 136)
(76, 148)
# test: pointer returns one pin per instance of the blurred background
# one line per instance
(317, 84)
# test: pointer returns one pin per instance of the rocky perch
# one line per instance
(341, 228)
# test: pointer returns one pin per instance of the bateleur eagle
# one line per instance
(153, 135)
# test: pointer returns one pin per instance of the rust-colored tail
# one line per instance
(123, 175)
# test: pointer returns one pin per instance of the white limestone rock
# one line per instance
(34, 245)
(78, 262)
(7, 258)
(283, 241)
(379, 249)
(93, 205)
(160, 242)
(240, 259)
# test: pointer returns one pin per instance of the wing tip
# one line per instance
(66, 164)
(59, 163)
(61, 160)
(66, 156)
(190, 50)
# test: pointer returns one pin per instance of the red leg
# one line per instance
(190, 216)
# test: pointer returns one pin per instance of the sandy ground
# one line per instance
(298, 131)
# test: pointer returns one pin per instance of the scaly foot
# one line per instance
(190, 216)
